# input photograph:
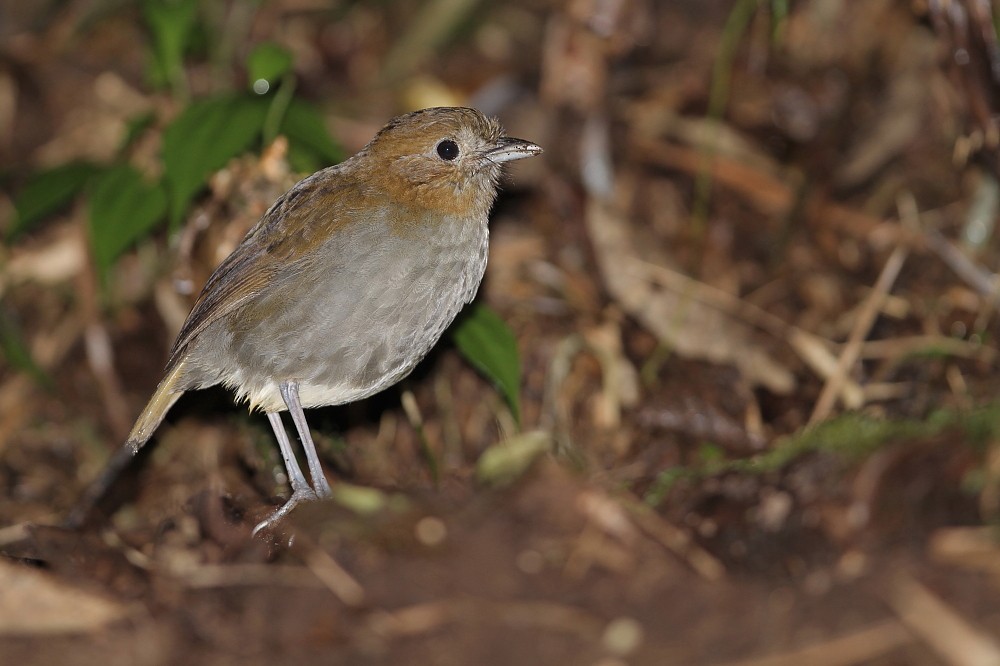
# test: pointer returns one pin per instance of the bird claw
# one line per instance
(301, 495)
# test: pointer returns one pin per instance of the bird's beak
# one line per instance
(508, 149)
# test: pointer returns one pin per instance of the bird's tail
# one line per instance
(167, 393)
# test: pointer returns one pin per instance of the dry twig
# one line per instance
(856, 648)
(862, 325)
(940, 626)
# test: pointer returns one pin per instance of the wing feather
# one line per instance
(277, 245)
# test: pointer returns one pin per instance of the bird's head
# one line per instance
(444, 158)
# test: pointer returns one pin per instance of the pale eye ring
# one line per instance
(447, 150)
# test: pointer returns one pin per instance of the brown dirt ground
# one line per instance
(684, 313)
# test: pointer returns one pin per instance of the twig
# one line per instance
(977, 277)
(425, 617)
(100, 354)
(675, 540)
(331, 574)
(852, 350)
(239, 575)
(857, 648)
(940, 625)
(416, 419)
(15, 533)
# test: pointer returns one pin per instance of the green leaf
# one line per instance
(202, 139)
(171, 23)
(489, 345)
(307, 135)
(123, 209)
(48, 191)
(268, 62)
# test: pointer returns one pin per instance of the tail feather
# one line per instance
(166, 394)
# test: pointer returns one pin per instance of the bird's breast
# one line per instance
(360, 314)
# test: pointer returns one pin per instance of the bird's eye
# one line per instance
(447, 150)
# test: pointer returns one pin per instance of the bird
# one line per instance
(346, 282)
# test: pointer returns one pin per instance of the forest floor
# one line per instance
(751, 281)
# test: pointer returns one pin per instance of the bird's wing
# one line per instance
(277, 245)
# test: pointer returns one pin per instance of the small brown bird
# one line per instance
(347, 281)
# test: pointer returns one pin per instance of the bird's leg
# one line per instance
(290, 394)
(300, 487)
(295, 476)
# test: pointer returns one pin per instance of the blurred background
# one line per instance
(727, 394)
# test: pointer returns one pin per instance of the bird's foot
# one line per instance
(301, 495)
